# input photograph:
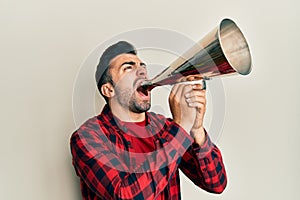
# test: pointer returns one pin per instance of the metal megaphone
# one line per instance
(224, 51)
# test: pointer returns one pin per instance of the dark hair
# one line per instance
(103, 74)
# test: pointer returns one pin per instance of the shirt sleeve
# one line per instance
(204, 166)
(107, 172)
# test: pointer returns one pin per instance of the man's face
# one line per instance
(128, 72)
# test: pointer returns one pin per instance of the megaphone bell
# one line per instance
(224, 51)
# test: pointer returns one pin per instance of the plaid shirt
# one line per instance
(108, 168)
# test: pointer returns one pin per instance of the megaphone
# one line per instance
(224, 51)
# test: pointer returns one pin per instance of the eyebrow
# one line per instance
(132, 63)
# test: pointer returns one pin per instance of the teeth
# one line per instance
(146, 83)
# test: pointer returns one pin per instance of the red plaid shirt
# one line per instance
(109, 168)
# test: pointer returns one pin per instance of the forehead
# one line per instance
(120, 59)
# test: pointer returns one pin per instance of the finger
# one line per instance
(174, 90)
(187, 90)
(197, 105)
(177, 92)
(182, 79)
(195, 93)
(196, 99)
(190, 78)
(194, 77)
(198, 87)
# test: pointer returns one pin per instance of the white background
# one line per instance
(43, 44)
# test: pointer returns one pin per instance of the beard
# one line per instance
(127, 99)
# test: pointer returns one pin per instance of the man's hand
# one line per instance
(188, 106)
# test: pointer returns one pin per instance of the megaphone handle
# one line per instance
(204, 82)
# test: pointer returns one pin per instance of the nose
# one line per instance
(142, 72)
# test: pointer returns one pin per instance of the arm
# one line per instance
(203, 165)
(202, 162)
(105, 171)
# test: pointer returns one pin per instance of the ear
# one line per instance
(108, 90)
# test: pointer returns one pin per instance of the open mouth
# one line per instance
(143, 91)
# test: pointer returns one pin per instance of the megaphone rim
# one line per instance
(241, 70)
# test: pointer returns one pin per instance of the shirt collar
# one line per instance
(114, 120)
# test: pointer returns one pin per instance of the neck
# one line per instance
(125, 114)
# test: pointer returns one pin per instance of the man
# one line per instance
(129, 153)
